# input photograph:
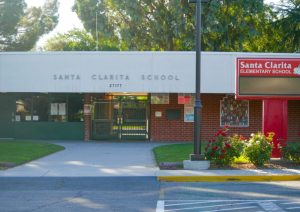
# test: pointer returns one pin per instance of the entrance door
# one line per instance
(121, 118)
(7, 109)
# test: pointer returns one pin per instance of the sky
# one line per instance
(68, 19)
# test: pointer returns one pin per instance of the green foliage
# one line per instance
(223, 149)
(229, 25)
(10, 13)
(289, 25)
(21, 27)
(237, 143)
(291, 151)
(71, 41)
(279, 29)
(76, 40)
(259, 148)
(170, 25)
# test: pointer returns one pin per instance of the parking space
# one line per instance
(227, 205)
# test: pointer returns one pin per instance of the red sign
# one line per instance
(268, 67)
(265, 78)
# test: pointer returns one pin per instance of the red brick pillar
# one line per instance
(87, 117)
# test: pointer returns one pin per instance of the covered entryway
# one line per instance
(121, 118)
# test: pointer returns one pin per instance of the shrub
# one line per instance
(259, 148)
(237, 143)
(291, 151)
(222, 149)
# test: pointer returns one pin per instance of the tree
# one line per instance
(74, 40)
(139, 25)
(268, 36)
(21, 27)
(229, 25)
(279, 29)
(289, 25)
(169, 24)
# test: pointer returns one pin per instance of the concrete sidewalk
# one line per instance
(100, 159)
(92, 159)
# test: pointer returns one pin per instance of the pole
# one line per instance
(97, 29)
(197, 109)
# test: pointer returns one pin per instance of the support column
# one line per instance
(275, 119)
(87, 117)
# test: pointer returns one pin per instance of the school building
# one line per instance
(143, 95)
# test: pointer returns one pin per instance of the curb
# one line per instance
(262, 178)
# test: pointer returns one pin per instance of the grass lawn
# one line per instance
(174, 152)
(180, 152)
(19, 152)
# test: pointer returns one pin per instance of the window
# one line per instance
(23, 108)
(40, 108)
(49, 107)
(75, 108)
(31, 108)
(160, 98)
(58, 107)
(66, 107)
(234, 113)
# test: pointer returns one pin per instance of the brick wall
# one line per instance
(293, 120)
(87, 119)
(162, 129)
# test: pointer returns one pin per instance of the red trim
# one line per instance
(269, 67)
(261, 97)
(239, 97)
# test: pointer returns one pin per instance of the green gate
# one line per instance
(120, 119)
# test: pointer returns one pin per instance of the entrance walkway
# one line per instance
(93, 159)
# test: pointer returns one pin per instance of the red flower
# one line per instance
(212, 154)
(227, 145)
(222, 156)
(220, 132)
(215, 148)
(226, 126)
(242, 138)
(211, 140)
(223, 150)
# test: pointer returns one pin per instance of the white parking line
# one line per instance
(193, 203)
(231, 209)
(160, 206)
(270, 206)
(226, 205)
(212, 206)
(292, 208)
(290, 203)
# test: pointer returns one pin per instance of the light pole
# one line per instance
(198, 105)
(97, 37)
(97, 29)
